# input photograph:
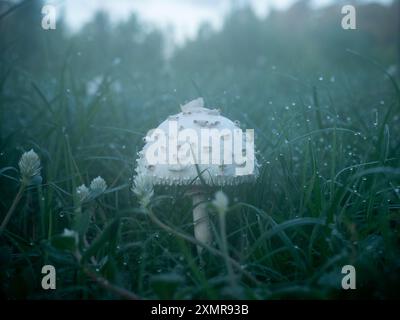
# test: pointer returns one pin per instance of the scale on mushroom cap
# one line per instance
(198, 148)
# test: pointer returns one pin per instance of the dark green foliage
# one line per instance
(327, 120)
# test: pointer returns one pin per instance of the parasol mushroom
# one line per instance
(198, 148)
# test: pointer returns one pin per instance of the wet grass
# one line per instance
(327, 196)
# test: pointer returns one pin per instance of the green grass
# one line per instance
(325, 198)
(328, 193)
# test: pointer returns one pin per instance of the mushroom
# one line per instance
(198, 148)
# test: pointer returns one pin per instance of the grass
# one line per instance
(327, 195)
(324, 199)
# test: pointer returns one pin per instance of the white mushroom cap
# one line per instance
(180, 167)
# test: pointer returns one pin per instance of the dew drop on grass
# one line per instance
(116, 61)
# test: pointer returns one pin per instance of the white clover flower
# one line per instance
(98, 185)
(94, 85)
(221, 202)
(71, 234)
(82, 192)
(143, 188)
(29, 165)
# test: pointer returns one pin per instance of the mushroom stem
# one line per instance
(201, 219)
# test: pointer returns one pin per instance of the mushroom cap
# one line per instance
(187, 162)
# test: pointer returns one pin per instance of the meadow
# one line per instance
(325, 106)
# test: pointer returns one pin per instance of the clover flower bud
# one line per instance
(82, 193)
(71, 234)
(98, 185)
(221, 202)
(29, 165)
(143, 189)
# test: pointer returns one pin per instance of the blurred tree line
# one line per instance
(129, 59)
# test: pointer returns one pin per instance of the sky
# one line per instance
(181, 17)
